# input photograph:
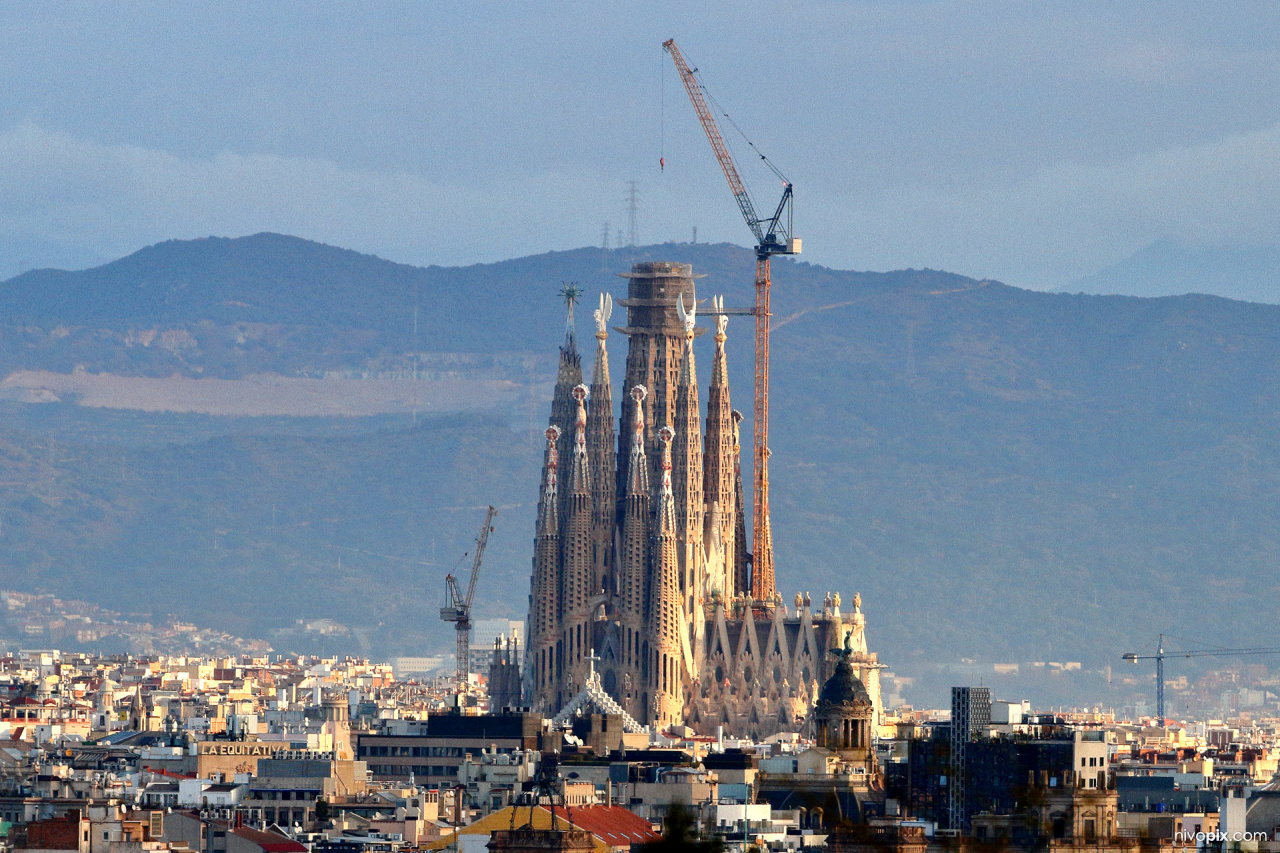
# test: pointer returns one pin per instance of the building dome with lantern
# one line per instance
(843, 713)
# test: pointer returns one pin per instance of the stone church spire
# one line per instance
(634, 548)
(741, 558)
(686, 481)
(601, 457)
(687, 474)
(665, 605)
(575, 580)
(721, 454)
(633, 558)
(568, 376)
(544, 613)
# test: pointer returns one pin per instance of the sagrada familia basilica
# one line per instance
(642, 580)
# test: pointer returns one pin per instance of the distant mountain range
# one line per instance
(19, 254)
(1166, 268)
(1005, 475)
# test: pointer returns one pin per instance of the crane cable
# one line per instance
(662, 111)
(725, 113)
(745, 138)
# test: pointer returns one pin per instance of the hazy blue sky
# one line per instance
(1030, 142)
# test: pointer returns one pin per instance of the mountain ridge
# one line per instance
(1169, 268)
(1005, 475)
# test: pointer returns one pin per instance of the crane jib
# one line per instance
(458, 608)
(776, 238)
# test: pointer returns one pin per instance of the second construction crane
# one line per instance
(1161, 654)
(457, 609)
(773, 236)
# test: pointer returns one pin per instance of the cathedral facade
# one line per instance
(641, 571)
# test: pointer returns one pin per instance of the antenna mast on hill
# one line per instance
(633, 208)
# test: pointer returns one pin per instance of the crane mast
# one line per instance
(773, 237)
(458, 609)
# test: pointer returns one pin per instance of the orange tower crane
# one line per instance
(773, 237)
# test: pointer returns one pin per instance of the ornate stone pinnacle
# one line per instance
(580, 393)
(553, 455)
(553, 436)
(602, 315)
(638, 393)
(688, 318)
(722, 320)
(570, 293)
(666, 435)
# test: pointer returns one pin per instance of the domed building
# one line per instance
(838, 779)
(842, 717)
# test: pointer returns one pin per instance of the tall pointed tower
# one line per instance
(575, 546)
(720, 470)
(666, 617)
(686, 486)
(741, 558)
(600, 455)
(568, 377)
(543, 631)
(634, 549)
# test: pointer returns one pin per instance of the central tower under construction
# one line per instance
(641, 574)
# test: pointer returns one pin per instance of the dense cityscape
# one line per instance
(263, 752)
(407, 444)
(659, 681)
